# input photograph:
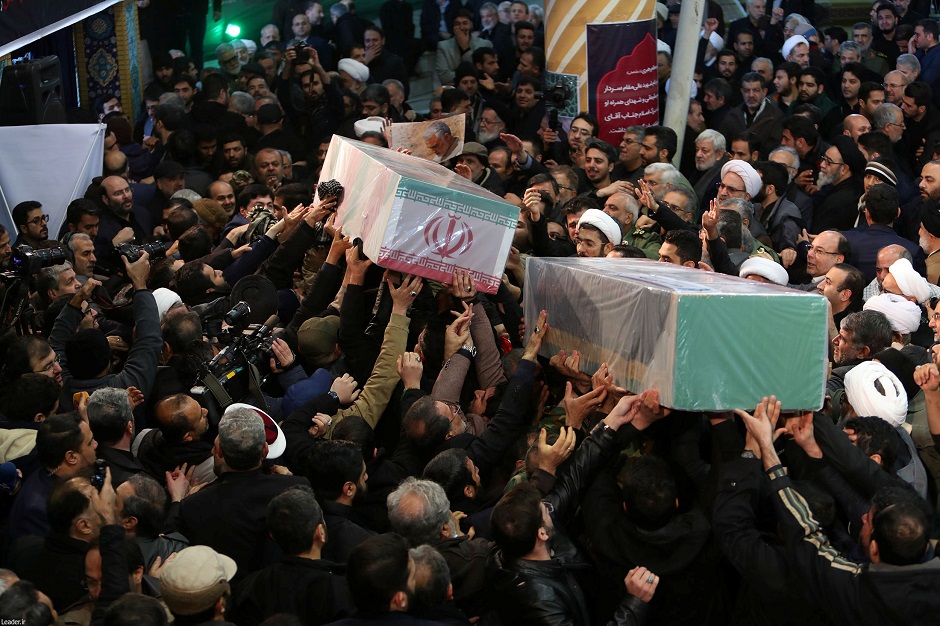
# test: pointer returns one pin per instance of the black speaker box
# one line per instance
(31, 93)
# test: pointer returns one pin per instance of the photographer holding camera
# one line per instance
(85, 355)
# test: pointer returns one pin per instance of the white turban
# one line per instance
(166, 300)
(770, 270)
(662, 46)
(791, 43)
(909, 281)
(872, 389)
(903, 314)
(358, 71)
(602, 222)
(374, 123)
(716, 40)
(747, 173)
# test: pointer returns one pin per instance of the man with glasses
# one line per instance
(840, 170)
(32, 225)
(630, 165)
(828, 249)
(894, 85)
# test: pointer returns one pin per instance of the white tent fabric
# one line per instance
(50, 163)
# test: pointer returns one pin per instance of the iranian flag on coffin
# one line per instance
(419, 217)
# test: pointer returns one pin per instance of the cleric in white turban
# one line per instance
(356, 71)
(750, 179)
(903, 314)
(872, 389)
(758, 268)
(905, 278)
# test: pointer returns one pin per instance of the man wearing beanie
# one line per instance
(840, 170)
(929, 238)
(85, 356)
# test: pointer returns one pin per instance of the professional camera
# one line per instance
(556, 97)
(132, 252)
(302, 55)
(233, 374)
(27, 261)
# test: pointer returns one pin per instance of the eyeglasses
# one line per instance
(90, 583)
(549, 507)
(818, 250)
(629, 142)
(902, 125)
(568, 188)
(675, 208)
(580, 131)
(831, 162)
(457, 415)
(48, 368)
(720, 186)
(42, 219)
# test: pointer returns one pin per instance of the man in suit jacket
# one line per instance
(229, 514)
(451, 52)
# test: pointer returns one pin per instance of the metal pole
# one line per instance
(683, 66)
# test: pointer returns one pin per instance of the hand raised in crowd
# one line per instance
(761, 429)
(138, 271)
(180, 481)
(539, 333)
(345, 387)
(645, 196)
(927, 377)
(125, 235)
(801, 429)
(457, 334)
(710, 219)
(515, 146)
(338, 247)
(578, 408)
(462, 169)
(158, 563)
(324, 208)
(236, 233)
(404, 295)
(618, 186)
(532, 199)
(649, 409)
(552, 456)
(84, 294)
(641, 583)
(104, 501)
(569, 366)
(136, 397)
(410, 368)
(787, 257)
(603, 378)
(320, 425)
(283, 358)
(463, 286)
(356, 267)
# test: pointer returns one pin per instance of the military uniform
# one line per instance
(647, 241)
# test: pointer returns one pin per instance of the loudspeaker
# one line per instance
(31, 93)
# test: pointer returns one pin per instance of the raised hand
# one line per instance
(551, 456)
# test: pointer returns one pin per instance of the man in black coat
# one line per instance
(229, 514)
(532, 570)
(901, 584)
(302, 583)
(836, 200)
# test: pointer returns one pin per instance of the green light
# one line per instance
(233, 30)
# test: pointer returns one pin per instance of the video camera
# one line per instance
(132, 252)
(233, 374)
(555, 98)
(27, 261)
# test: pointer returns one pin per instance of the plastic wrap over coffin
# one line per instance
(418, 217)
(707, 341)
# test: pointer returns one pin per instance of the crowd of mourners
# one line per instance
(391, 449)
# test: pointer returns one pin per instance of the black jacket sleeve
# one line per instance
(323, 290)
(296, 428)
(359, 348)
(576, 476)
(289, 256)
(509, 423)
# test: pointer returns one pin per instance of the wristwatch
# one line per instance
(468, 351)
